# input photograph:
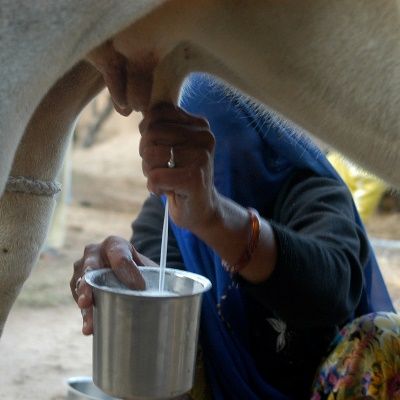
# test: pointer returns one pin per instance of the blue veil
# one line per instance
(255, 155)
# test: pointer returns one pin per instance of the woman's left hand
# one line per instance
(193, 199)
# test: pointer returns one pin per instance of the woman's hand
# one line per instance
(193, 200)
(116, 253)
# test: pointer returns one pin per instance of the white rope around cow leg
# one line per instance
(29, 185)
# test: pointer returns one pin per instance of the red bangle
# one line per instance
(251, 245)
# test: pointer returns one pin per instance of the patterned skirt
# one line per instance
(364, 363)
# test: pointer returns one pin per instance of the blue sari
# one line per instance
(255, 155)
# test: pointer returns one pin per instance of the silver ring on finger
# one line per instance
(171, 161)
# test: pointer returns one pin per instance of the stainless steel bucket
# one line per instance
(144, 343)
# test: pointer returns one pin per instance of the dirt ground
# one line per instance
(42, 344)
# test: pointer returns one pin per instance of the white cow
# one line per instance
(331, 67)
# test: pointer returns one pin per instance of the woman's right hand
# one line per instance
(115, 253)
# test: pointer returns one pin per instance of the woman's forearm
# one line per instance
(228, 233)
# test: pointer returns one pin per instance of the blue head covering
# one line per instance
(255, 155)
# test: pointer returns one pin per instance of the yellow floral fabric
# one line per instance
(365, 361)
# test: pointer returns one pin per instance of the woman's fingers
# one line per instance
(184, 158)
(164, 128)
(73, 284)
(82, 294)
(167, 112)
(87, 317)
(119, 253)
(190, 149)
(85, 297)
(190, 180)
(81, 291)
(115, 253)
(91, 260)
(189, 183)
(167, 125)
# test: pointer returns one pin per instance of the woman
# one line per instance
(286, 278)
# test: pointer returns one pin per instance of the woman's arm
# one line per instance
(308, 262)
(194, 203)
(318, 275)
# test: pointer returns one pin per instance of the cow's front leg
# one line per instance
(24, 218)
(28, 203)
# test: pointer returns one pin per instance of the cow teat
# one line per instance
(128, 81)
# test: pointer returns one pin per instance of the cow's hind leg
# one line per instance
(28, 202)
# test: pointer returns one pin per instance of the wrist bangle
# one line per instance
(254, 236)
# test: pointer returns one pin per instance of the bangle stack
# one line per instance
(254, 236)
